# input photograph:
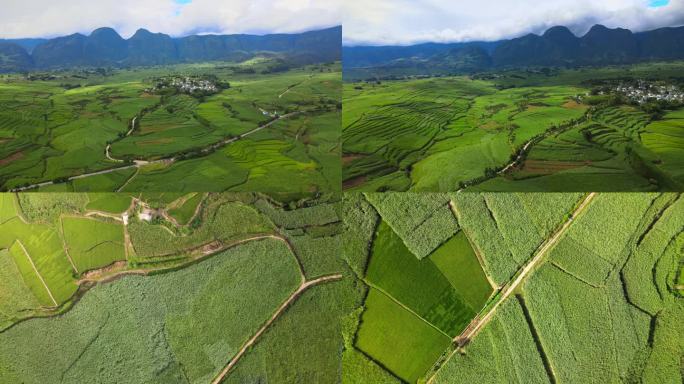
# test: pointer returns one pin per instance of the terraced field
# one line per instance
(133, 295)
(552, 288)
(513, 131)
(85, 131)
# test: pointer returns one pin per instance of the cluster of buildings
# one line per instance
(643, 92)
(187, 84)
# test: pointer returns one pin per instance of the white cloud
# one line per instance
(47, 18)
(385, 22)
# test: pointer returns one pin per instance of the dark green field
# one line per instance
(250, 129)
(553, 130)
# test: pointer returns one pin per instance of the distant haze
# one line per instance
(49, 18)
(405, 22)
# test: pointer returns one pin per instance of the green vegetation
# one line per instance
(459, 264)
(423, 222)
(404, 343)
(115, 128)
(108, 202)
(133, 296)
(418, 284)
(186, 208)
(92, 243)
(514, 130)
(179, 327)
(599, 302)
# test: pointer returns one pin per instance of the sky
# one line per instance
(405, 22)
(50, 18)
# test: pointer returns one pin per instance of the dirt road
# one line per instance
(302, 288)
(509, 288)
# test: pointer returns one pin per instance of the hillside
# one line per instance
(105, 47)
(558, 46)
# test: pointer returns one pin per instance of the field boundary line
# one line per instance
(476, 248)
(507, 290)
(405, 307)
(37, 273)
(293, 297)
(137, 170)
(66, 246)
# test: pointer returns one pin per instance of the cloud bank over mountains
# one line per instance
(405, 22)
(49, 18)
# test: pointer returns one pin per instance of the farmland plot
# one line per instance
(582, 288)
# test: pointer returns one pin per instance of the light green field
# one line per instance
(93, 243)
(458, 262)
(108, 202)
(179, 327)
(402, 342)
(187, 208)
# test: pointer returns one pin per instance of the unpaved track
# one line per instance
(478, 323)
(302, 288)
(517, 159)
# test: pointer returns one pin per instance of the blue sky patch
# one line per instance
(658, 3)
(183, 2)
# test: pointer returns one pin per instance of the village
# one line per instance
(644, 91)
(188, 85)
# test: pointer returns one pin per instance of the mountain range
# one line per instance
(105, 47)
(558, 46)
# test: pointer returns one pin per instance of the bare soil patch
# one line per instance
(354, 182)
(549, 167)
(11, 158)
(346, 159)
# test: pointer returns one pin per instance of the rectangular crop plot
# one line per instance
(400, 341)
(45, 249)
(459, 264)
(15, 295)
(93, 243)
(418, 284)
(109, 202)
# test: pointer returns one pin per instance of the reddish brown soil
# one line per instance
(346, 159)
(351, 183)
(549, 167)
(11, 158)
(572, 104)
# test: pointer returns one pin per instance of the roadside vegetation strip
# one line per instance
(302, 288)
(37, 273)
